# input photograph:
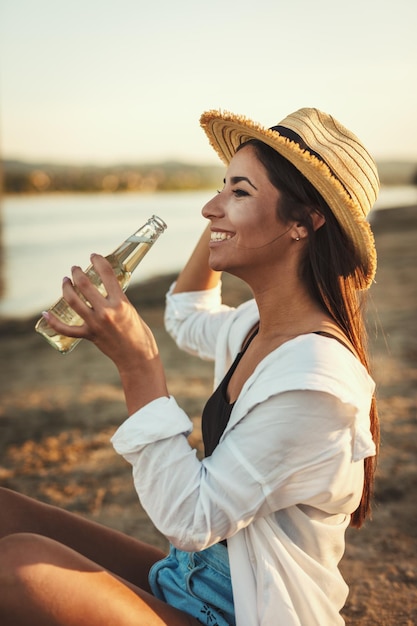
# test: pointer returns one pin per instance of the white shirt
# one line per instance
(285, 477)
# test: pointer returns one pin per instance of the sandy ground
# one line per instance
(57, 415)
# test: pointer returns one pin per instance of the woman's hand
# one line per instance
(115, 327)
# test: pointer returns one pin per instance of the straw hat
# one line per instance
(330, 157)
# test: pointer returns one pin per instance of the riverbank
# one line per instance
(57, 415)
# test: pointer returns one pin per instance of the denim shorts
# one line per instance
(197, 583)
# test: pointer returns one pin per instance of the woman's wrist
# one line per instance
(143, 383)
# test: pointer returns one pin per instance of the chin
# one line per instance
(216, 266)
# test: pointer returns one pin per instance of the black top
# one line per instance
(217, 410)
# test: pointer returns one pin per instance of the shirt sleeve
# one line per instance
(193, 319)
(293, 448)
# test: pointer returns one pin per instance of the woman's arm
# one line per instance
(293, 447)
(197, 275)
(116, 328)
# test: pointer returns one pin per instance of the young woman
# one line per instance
(290, 433)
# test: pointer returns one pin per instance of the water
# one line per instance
(43, 236)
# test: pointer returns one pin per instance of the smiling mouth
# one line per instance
(217, 236)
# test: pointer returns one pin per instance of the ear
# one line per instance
(298, 232)
(317, 219)
(301, 232)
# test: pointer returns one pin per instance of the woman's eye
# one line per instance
(239, 193)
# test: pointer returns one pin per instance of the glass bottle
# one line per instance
(123, 261)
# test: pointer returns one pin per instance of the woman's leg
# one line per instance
(44, 583)
(122, 555)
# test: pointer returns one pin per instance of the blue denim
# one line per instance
(197, 583)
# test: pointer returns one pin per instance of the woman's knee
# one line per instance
(28, 566)
(14, 557)
(27, 574)
(18, 550)
(21, 554)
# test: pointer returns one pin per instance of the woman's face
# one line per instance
(246, 232)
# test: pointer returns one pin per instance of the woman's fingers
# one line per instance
(77, 304)
(107, 319)
(107, 275)
(98, 285)
(73, 295)
(85, 298)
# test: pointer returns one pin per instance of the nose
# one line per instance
(212, 208)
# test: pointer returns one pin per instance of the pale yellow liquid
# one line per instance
(66, 314)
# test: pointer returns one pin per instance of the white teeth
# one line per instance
(220, 236)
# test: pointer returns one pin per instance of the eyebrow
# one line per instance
(237, 179)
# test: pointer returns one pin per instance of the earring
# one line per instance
(297, 239)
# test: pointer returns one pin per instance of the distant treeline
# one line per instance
(23, 177)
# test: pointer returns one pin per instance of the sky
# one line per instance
(125, 81)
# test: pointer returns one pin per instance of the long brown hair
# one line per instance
(332, 272)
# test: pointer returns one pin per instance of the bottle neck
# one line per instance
(149, 232)
(131, 252)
